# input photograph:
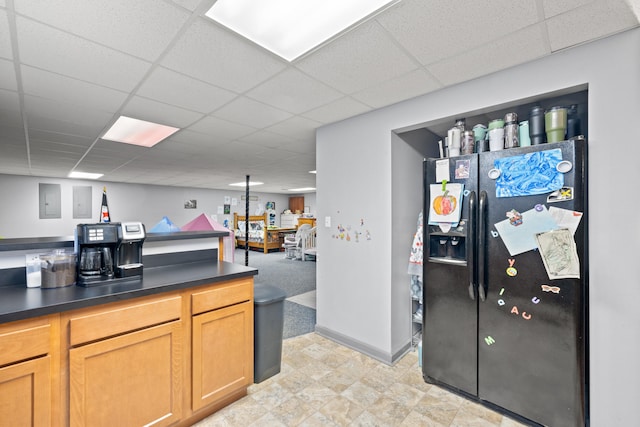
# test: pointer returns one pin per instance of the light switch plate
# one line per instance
(327, 221)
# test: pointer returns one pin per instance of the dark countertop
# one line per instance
(27, 243)
(20, 302)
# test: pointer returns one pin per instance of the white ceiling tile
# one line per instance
(158, 112)
(555, 7)
(415, 83)
(296, 127)
(338, 110)
(53, 125)
(229, 62)
(437, 29)
(65, 112)
(144, 27)
(177, 89)
(362, 58)
(294, 91)
(248, 112)
(266, 139)
(5, 37)
(58, 142)
(576, 26)
(117, 150)
(12, 136)
(10, 101)
(190, 4)
(60, 88)
(301, 147)
(500, 54)
(219, 129)
(196, 140)
(186, 149)
(59, 52)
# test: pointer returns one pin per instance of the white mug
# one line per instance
(496, 139)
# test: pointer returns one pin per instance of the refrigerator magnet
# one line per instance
(462, 169)
(564, 166)
(565, 193)
(515, 217)
(493, 173)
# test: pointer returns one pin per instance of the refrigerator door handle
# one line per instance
(482, 245)
(472, 246)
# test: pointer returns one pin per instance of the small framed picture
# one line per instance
(191, 204)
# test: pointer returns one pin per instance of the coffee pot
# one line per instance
(96, 261)
(96, 246)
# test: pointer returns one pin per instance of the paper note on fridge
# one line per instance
(566, 218)
(559, 254)
(445, 203)
(529, 174)
(522, 238)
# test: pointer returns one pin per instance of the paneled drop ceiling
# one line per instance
(70, 68)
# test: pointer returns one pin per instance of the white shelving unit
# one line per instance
(416, 310)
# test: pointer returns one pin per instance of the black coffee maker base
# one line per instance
(101, 280)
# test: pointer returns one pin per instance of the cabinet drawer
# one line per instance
(222, 295)
(24, 340)
(122, 317)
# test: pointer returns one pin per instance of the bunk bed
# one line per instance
(260, 236)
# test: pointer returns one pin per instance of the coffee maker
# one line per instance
(96, 246)
(131, 236)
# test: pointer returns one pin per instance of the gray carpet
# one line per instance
(293, 277)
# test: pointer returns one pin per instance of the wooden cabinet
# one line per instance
(125, 367)
(296, 204)
(159, 360)
(25, 393)
(26, 383)
(222, 353)
(132, 379)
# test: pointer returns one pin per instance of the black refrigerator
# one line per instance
(505, 280)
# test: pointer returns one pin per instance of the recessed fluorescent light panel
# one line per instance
(84, 175)
(290, 28)
(138, 132)
(244, 184)
(302, 189)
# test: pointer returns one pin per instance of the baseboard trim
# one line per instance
(359, 346)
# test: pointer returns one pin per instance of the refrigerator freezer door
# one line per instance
(531, 351)
(450, 300)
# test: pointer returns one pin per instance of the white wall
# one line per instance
(19, 212)
(354, 286)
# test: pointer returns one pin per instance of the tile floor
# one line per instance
(322, 383)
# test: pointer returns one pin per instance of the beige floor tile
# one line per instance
(341, 410)
(322, 383)
(318, 420)
(316, 395)
(389, 410)
(293, 412)
(416, 419)
(361, 394)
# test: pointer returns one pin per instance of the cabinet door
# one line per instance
(25, 393)
(296, 204)
(132, 379)
(222, 353)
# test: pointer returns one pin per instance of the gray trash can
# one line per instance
(268, 325)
